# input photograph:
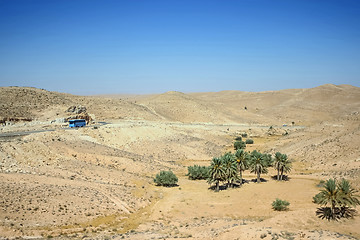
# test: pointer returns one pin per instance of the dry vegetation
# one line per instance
(97, 182)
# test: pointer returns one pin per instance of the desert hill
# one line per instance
(97, 182)
(301, 106)
(331, 145)
(177, 106)
(27, 103)
(37, 104)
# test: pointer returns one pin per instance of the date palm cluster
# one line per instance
(229, 168)
(337, 200)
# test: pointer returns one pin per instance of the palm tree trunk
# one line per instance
(217, 186)
(333, 210)
(240, 177)
(278, 174)
(282, 174)
(258, 177)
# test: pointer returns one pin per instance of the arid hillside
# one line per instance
(42, 105)
(301, 106)
(97, 182)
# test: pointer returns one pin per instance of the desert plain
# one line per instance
(96, 182)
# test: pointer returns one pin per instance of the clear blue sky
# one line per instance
(143, 46)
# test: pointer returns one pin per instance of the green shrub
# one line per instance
(197, 172)
(280, 205)
(317, 198)
(239, 145)
(166, 178)
(238, 138)
(244, 135)
(249, 141)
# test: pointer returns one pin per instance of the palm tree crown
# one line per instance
(347, 195)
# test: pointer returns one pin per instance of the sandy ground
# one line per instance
(98, 183)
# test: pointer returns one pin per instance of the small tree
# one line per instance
(166, 178)
(239, 138)
(249, 141)
(280, 205)
(197, 172)
(239, 145)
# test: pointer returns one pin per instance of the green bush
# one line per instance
(197, 172)
(166, 178)
(321, 184)
(249, 141)
(238, 138)
(239, 145)
(244, 135)
(280, 205)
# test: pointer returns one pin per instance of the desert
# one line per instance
(97, 182)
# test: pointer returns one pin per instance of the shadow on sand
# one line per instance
(285, 178)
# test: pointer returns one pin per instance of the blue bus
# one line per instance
(77, 123)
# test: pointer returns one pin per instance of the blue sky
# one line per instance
(142, 46)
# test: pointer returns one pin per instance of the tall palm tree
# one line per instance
(285, 166)
(216, 172)
(258, 164)
(242, 162)
(277, 164)
(229, 162)
(282, 164)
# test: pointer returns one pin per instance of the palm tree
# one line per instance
(340, 197)
(286, 165)
(329, 195)
(277, 164)
(281, 164)
(258, 164)
(242, 161)
(229, 162)
(216, 172)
